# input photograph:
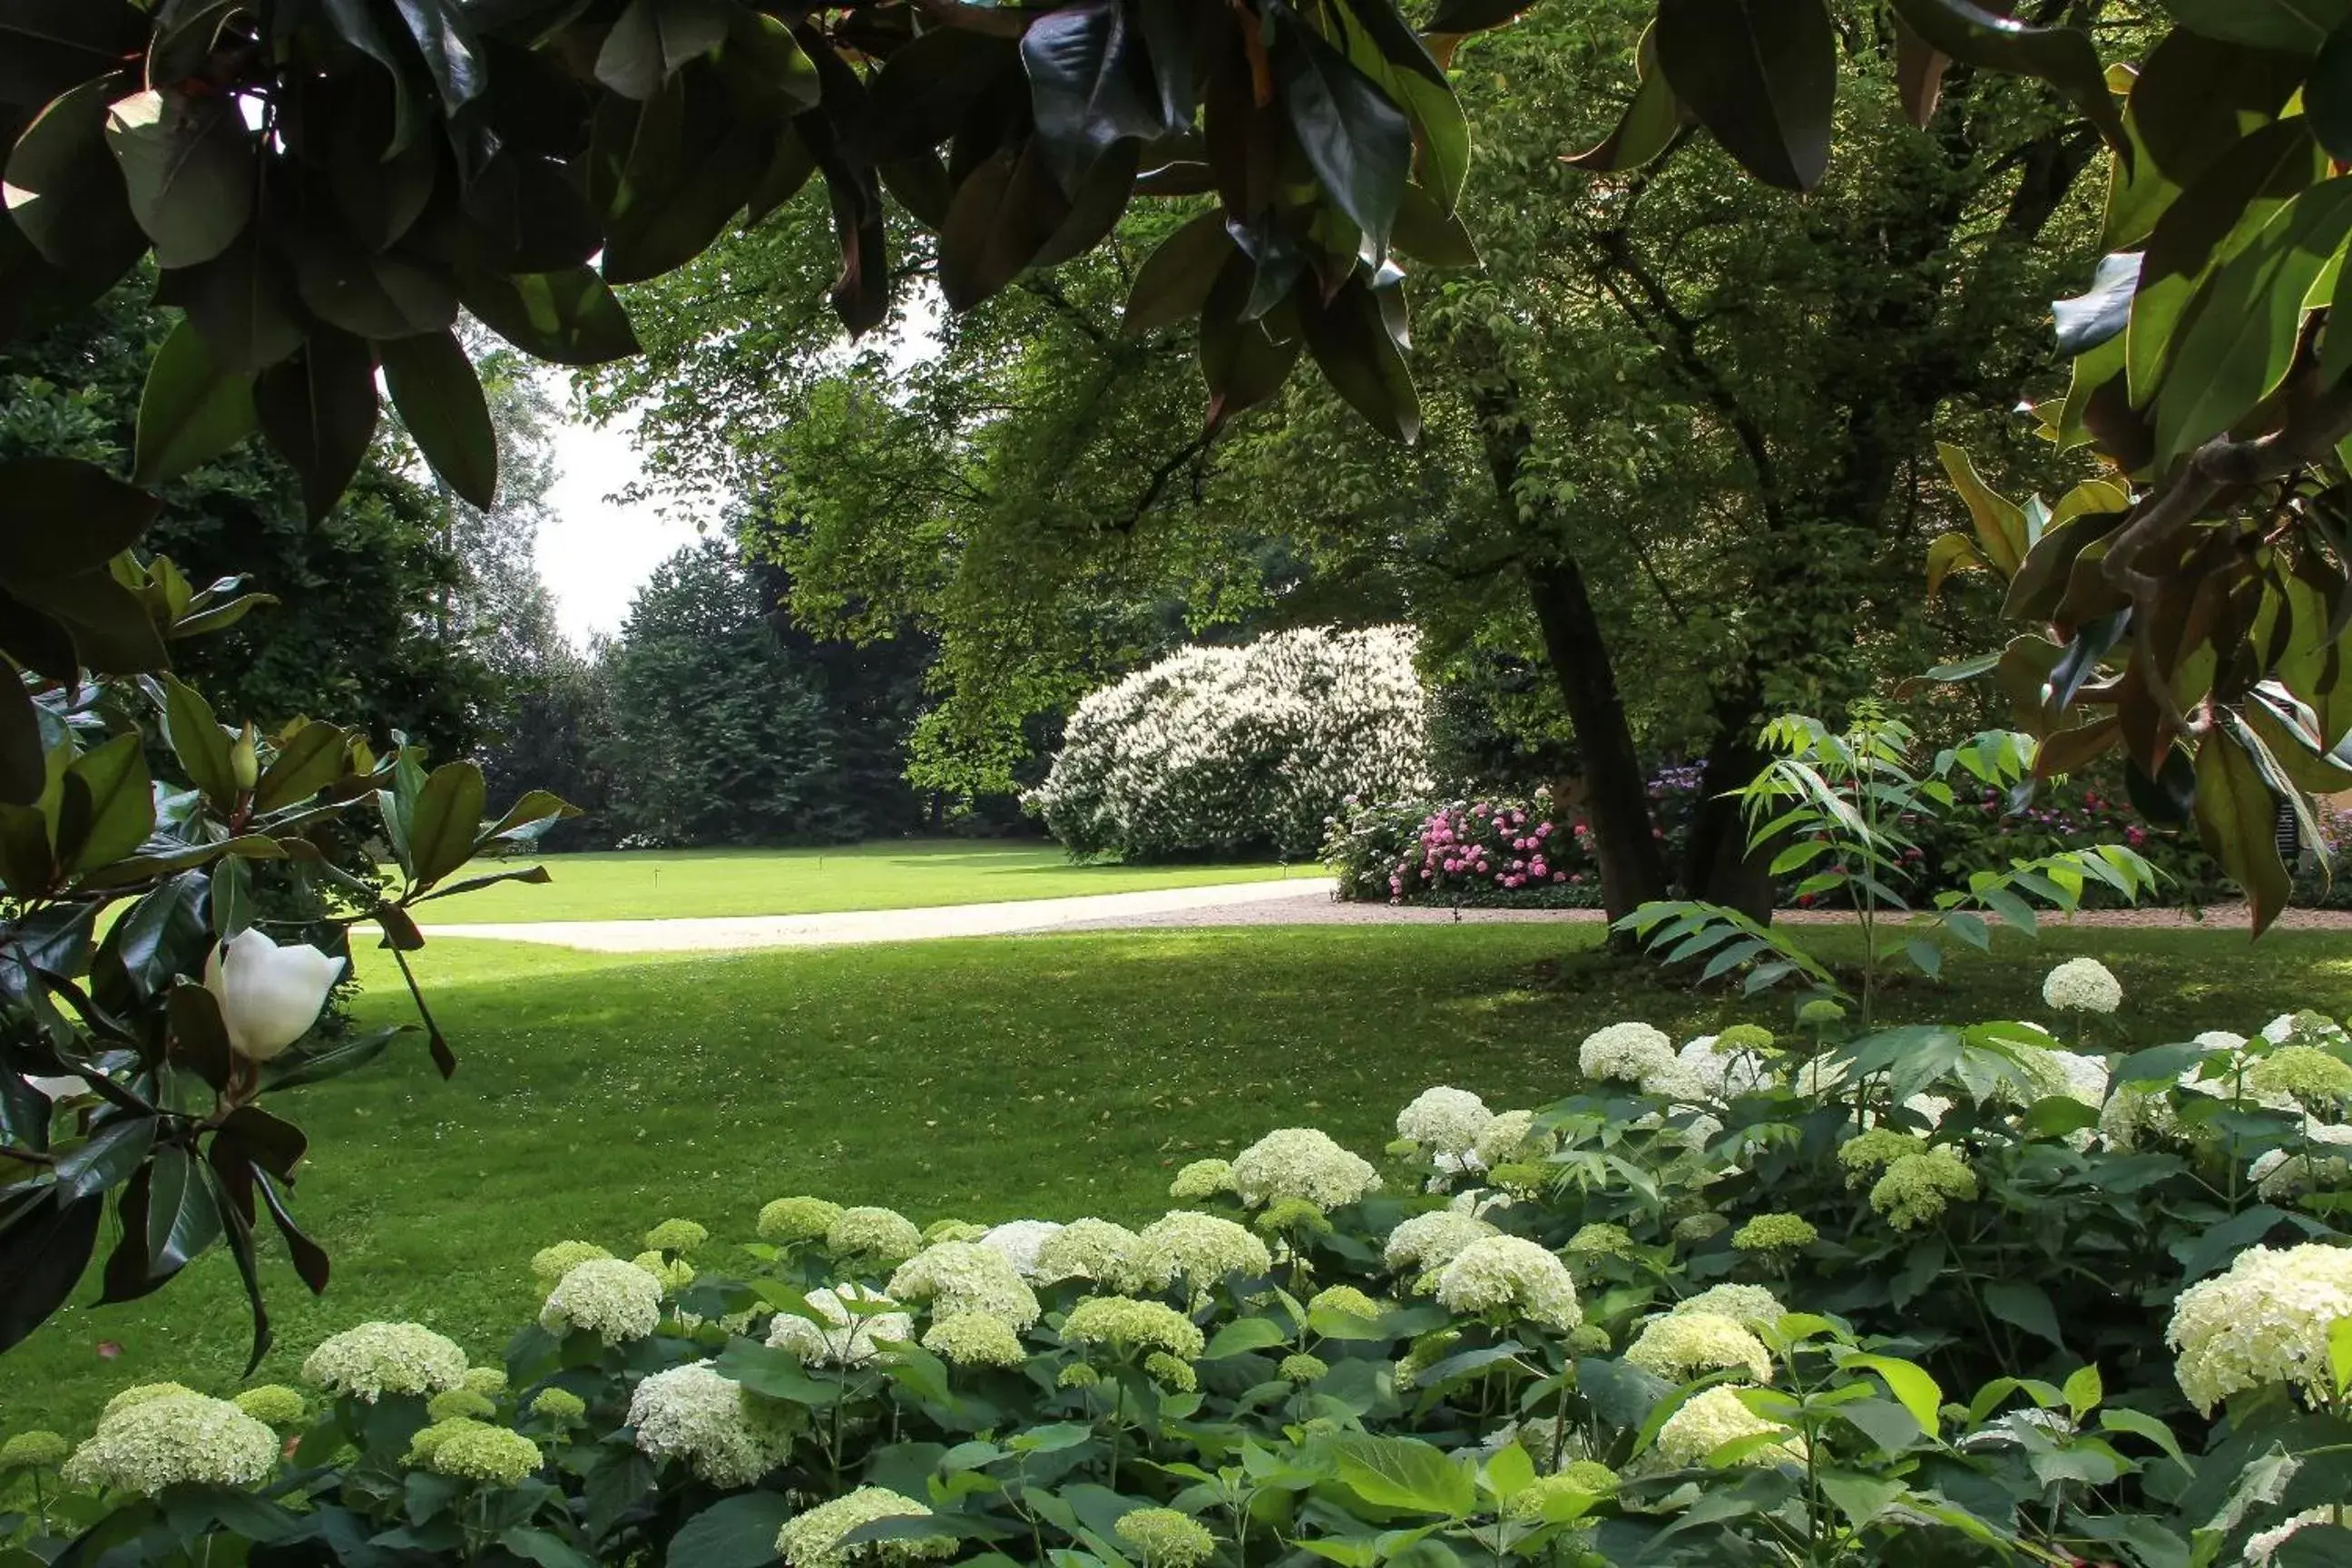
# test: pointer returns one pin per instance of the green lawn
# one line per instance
(991, 1079)
(660, 884)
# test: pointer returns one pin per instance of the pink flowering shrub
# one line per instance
(1476, 851)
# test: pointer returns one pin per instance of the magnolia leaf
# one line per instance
(1761, 76)
(193, 408)
(189, 164)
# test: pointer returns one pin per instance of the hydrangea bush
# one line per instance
(1241, 750)
(2010, 1291)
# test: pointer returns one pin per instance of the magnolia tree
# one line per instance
(1222, 750)
(323, 187)
(148, 1023)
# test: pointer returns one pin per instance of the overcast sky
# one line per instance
(595, 552)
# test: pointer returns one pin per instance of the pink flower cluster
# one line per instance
(1482, 844)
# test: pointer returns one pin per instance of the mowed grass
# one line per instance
(985, 1079)
(661, 884)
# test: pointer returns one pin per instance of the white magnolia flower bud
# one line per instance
(269, 995)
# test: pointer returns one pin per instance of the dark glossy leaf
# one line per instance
(199, 743)
(2089, 320)
(671, 225)
(789, 168)
(448, 814)
(42, 1254)
(183, 1219)
(653, 40)
(310, 1262)
(23, 772)
(192, 410)
(1089, 86)
(325, 1059)
(2302, 26)
(734, 1532)
(1243, 360)
(276, 1145)
(1174, 281)
(1355, 138)
(2237, 818)
(537, 875)
(163, 934)
(440, 399)
(106, 1159)
(64, 193)
(1355, 346)
(1761, 76)
(122, 805)
(447, 44)
(2327, 95)
(1454, 17)
(318, 411)
(1918, 73)
(112, 632)
(1096, 206)
(1002, 213)
(2063, 56)
(2195, 96)
(199, 1035)
(765, 67)
(315, 756)
(237, 1232)
(1430, 235)
(188, 163)
(47, 46)
(241, 304)
(1648, 125)
(366, 294)
(530, 810)
(108, 516)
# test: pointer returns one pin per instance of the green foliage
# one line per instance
(1837, 806)
(1984, 1379)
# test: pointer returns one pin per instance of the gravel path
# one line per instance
(1302, 902)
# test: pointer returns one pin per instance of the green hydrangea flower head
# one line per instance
(941, 1230)
(674, 1273)
(1164, 1538)
(372, 1359)
(1527, 1504)
(2314, 1078)
(171, 1438)
(140, 1393)
(1510, 1138)
(954, 1276)
(680, 1236)
(1201, 1179)
(1694, 1228)
(787, 1220)
(1916, 1188)
(729, 1436)
(459, 1403)
(1751, 1306)
(1743, 1037)
(1588, 1339)
(1285, 1215)
(1345, 1298)
(1521, 1180)
(613, 1296)
(1509, 1275)
(1200, 1249)
(490, 1382)
(812, 1539)
(871, 1235)
(974, 1339)
(1865, 1155)
(1423, 1353)
(1303, 1163)
(1685, 1345)
(1820, 1013)
(37, 1449)
(476, 1451)
(1077, 1375)
(550, 1264)
(1093, 1249)
(2264, 1321)
(1589, 1476)
(1302, 1369)
(1713, 1417)
(1601, 1241)
(1169, 1372)
(1775, 1233)
(1127, 1325)
(560, 1405)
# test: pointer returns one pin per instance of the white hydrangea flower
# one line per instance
(146, 1447)
(2082, 985)
(1684, 1344)
(812, 1539)
(1498, 1273)
(2223, 1040)
(1625, 1053)
(1480, 1201)
(1511, 1138)
(1020, 1240)
(846, 1338)
(1092, 1249)
(1427, 1242)
(610, 1296)
(1201, 1248)
(2287, 1172)
(2264, 1545)
(2068, 1073)
(729, 1435)
(1444, 1121)
(1751, 1306)
(2264, 1321)
(953, 1277)
(1301, 1162)
(1722, 1074)
(2305, 1027)
(1817, 1078)
(1931, 1107)
(376, 1359)
(1713, 1417)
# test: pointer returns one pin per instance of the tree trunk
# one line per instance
(1716, 863)
(1616, 797)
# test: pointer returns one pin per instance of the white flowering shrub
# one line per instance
(1233, 750)
(1918, 1296)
